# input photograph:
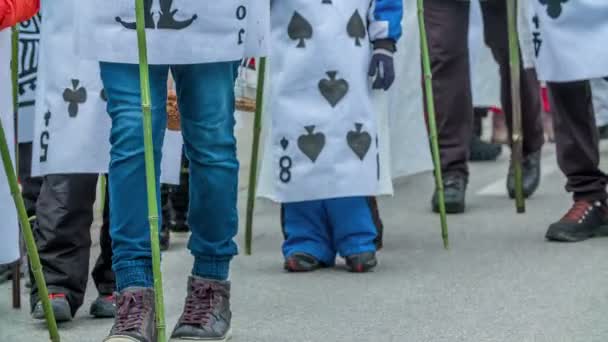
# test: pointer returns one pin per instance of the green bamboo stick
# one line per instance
(517, 136)
(253, 170)
(430, 102)
(26, 228)
(150, 172)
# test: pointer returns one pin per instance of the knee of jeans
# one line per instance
(127, 137)
(213, 149)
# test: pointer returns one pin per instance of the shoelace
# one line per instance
(130, 313)
(579, 211)
(199, 304)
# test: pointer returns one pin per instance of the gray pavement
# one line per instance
(500, 281)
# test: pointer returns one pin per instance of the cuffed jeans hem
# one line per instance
(135, 273)
(217, 268)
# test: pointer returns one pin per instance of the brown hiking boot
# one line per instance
(135, 316)
(206, 313)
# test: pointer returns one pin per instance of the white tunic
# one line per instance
(570, 39)
(9, 229)
(179, 31)
(326, 133)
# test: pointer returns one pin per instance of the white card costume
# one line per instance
(178, 31)
(326, 131)
(9, 229)
(29, 37)
(72, 127)
(569, 38)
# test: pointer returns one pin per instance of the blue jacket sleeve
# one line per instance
(385, 19)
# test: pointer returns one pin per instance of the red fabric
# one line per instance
(544, 94)
(15, 11)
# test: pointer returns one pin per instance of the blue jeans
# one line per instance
(206, 103)
(323, 228)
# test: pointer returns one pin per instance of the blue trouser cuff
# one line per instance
(136, 273)
(211, 268)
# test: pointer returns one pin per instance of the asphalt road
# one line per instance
(500, 281)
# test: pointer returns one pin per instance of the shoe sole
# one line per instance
(227, 337)
(452, 208)
(120, 339)
(564, 237)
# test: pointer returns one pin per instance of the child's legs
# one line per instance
(129, 227)
(353, 228)
(206, 101)
(306, 231)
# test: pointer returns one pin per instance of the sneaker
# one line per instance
(206, 313)
(455, 188)
(530, 168)
(584, 220)
(361, 263)
(61, 308)
(135, 315)
(301, 262)
(483, 151)
(103, 307)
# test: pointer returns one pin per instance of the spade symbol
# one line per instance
(333, 90)
(356, 28)
(167, 17)
(359, 141)
(284, 143)
(103, 95)
(148, 18)
(299, 29)
(554, 7)
(311, 144)
(74, 97)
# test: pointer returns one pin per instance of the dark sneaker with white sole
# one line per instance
(135, 314)
(583, 221)
(61, 308)
(302, 262)
(361, 263)
(206, 315)
(103, 307)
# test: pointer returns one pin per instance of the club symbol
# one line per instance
(554, 7)
(75, 96)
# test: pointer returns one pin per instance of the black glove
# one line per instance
(382, 66)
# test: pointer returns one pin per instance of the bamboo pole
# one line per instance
(257, 129)
(432, 122)
(151, 183)
(517, 136)
(26, 228)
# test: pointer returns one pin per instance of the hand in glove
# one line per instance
(382, 67)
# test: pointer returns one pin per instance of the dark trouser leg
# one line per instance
(65, 214)
(179, 195)
(30, 185)
(447, 24)
(576, 138)
(497, 39)
(102, 274)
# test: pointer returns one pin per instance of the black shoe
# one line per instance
(302, 262)
(207, 315)
(103, 307)
(60, 305)
(134, 316)
(583, 221)
(179, 226)
(483, 151)
(455, 188)
(165, 238)
(530, 168)
(361, 263)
